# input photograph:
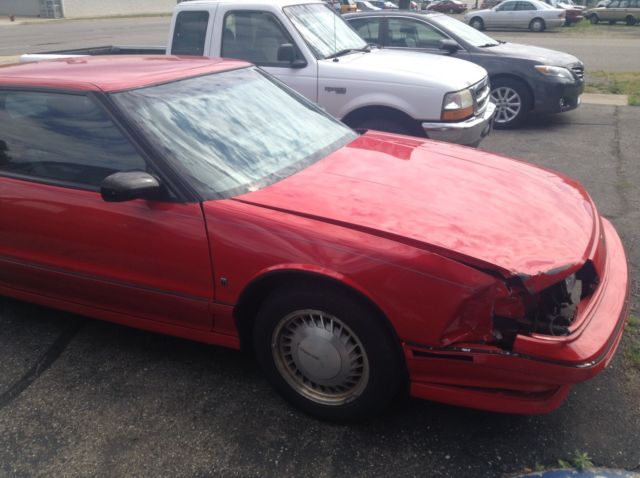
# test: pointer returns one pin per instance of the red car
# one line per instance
(448, 6)
(202, 198)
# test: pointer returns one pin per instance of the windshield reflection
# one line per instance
(233, 132)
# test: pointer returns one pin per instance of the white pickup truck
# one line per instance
(309, 47)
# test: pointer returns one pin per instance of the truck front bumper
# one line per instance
(468, 133)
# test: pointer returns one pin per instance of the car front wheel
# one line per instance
(477, 23)
(327, 353)
(594, 19)
(512, 101)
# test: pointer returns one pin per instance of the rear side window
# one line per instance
(190, 33)
(507, 7)
(62, 138)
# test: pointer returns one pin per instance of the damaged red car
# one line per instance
(203, 199)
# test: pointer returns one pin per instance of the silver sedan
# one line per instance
(532, 14)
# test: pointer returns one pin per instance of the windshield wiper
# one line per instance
(487, 45)
(346, 51)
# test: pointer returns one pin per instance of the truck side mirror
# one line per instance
(450, 46)
(287, 52)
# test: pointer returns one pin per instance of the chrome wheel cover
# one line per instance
(320, 357)
(508, 104)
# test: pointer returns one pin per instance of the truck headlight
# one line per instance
(557, 71)
(457, 105)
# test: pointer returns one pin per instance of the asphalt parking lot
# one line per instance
(80, 397)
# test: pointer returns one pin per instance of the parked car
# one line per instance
(366, 6)
(532, 14)
(573, 13)
(627, 11)
(448, 6)
(355, 267)
(524, 79)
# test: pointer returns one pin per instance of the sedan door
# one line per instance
(524, 13)
(62, 243)
(502, 16)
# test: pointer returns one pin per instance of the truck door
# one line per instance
(257, 37)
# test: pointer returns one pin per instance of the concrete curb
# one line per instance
(602, 99)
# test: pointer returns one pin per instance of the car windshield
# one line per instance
(464, 31)
(324, 31)
(233, 132)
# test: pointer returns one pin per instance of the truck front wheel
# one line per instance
(391, 125)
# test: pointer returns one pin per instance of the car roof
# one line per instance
(111, 73)
(393, 13)
(280, 3)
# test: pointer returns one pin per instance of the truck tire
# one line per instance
(392, 125)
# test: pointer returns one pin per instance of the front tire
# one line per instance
(594, 19)
(477, 23)
(327, 353)
(537, 25)
(512, 99)
(391, 125)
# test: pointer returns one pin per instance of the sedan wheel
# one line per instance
(320, 357)
(328, 353)
(537, 25)
(477, 23)
(594, 19)
(511, 99)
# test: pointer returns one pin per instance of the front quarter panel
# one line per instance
(425, 296)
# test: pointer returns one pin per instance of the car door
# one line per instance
(622, 11)
(524, 13)
(256, 36)
(608, 13)
(502, 16)
(61, 241)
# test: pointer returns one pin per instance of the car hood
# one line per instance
(404, 67)
(478, 208)
(543, 56)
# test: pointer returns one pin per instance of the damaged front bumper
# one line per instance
(536, 375)
(469, 132)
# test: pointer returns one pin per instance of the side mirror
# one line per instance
(287, 52)
(450, 46)
(119, 187)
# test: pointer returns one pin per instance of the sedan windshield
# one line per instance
(464, 31)
(233, 132)
(324, 31)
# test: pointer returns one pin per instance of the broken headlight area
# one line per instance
(551, 312)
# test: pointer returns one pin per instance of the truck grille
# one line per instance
(578, 71)
(481, 92)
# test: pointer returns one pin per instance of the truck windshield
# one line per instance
(326, 33)
(233, 132)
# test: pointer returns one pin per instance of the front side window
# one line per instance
(368, 29)
(190, 33)
(62, 138)
(233, 132)
(253, 36)
(323, 30)
(413, 34)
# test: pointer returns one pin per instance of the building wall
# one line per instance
(98, 8)
(20, 8)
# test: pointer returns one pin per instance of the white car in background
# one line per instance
(532, 14)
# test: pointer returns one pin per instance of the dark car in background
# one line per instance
(448, 6)
(524, 79)
(627, 11)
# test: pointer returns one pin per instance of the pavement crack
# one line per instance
(619, 164)
(42, 364)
